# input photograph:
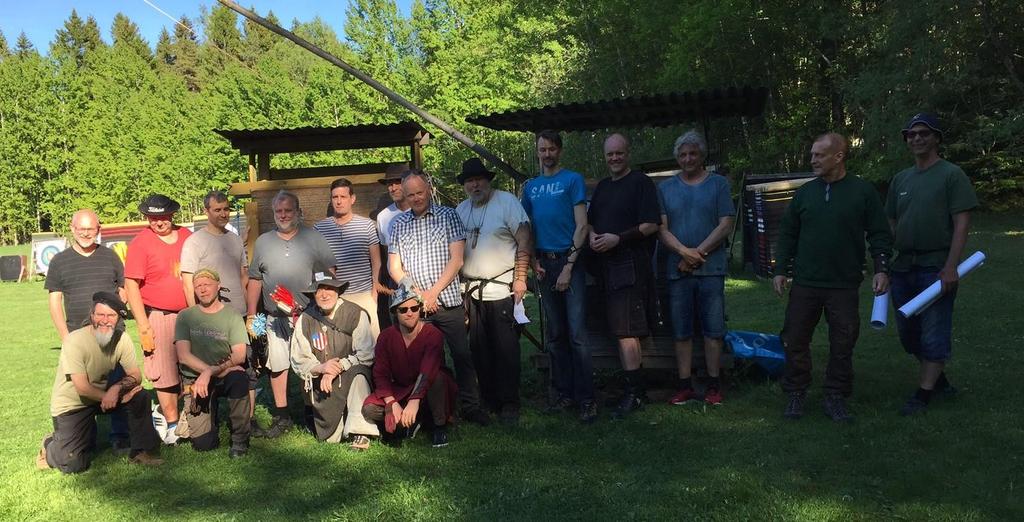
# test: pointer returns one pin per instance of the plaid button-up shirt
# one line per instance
(421, 242)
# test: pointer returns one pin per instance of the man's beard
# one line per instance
(102, 338)
(286, 227)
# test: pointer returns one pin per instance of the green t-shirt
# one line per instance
(821, 241)
(922, 202)
(211, 335)
(80, 353)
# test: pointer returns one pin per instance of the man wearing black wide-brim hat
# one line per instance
(929, 207)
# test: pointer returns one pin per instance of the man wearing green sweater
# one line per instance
(821, 247)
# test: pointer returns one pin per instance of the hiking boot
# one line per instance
(237, 452)
(683, 397)
(145, 459)
(41, 456)
(630, 402)
(795, 406)
(588, 412)
(913, 406)
(835, 408)
(713, 396)
(440, 437)
(478, 416)
(278, 427)
(562, 404)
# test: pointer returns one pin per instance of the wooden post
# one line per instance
(263, 166)
(252, 168)
(252, 225)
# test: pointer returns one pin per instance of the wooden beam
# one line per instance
(349, 171)
(252, 168)
(380, 140)
(252, 225)
(246, 189)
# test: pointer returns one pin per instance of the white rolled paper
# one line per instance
(933, 292)
(880, 311)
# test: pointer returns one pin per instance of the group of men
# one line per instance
(324, 297)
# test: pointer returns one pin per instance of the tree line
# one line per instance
(104, 122)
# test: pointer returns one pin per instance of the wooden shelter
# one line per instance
(311, 184)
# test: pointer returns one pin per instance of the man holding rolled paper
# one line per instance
(821, 245)
(928, 207)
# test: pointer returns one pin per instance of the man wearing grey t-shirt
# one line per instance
(216, 247)
(283, 263)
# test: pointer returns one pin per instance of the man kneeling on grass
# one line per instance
(407, 370)
(210, 339)
(332, 351)
(81, 391)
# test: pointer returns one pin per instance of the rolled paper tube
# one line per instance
(933, 292)
(880, 311)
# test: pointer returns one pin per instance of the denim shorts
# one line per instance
(927, 335)
(703, 295)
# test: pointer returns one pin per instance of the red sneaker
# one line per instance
(683, 396)
(713, 397)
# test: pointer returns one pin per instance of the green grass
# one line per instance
(961, 461)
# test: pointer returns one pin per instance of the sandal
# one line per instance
(360, 443)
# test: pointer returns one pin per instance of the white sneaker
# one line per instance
(160, 423)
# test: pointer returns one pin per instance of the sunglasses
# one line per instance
(413, 308)
(921, 133)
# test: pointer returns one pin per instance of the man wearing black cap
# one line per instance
(210, 338)
(497, 259)
(81, 390)
(332, 352)
(929, 208)
(153, 283)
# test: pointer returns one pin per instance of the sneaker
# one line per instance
(478, 416)
(41, 456)
(562, 404)
(713, 396)
(913, 406)
(159, 422)
(440, 437)
(256, 430)
(629, 403)
(360, 443)
(835, 409)
(795, 406)
(683, 396)
(237, 452)
(146, 459)
(588, 412)
(278, 427)
(171, 438)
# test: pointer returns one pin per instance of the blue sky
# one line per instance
(40, 19)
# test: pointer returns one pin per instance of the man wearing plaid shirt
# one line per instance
(425, 254)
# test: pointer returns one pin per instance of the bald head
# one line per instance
(85, 226)
(828, 156)
(616, 155)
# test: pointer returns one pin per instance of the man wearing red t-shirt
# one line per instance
(152, 278)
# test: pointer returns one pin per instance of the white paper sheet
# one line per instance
(880, 311)
(519, 312)
(933, 292)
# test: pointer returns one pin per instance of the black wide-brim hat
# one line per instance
(473, 168)
(158, 205)
(336, 284)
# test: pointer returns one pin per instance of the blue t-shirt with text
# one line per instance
(549, 201)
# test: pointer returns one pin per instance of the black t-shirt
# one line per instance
(79, 277)
(620, 205)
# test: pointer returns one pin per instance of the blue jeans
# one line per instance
(572, 370)
(927, 335)
(704, 295)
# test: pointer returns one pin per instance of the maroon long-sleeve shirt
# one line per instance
(396, 367)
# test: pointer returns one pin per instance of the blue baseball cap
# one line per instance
(927, 119)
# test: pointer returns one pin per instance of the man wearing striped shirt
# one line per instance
(354, 242)
(425, 253)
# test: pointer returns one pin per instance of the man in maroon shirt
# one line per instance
(408, 369)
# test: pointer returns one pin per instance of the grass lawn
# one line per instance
(960, 461)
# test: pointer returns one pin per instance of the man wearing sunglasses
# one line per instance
(821, 246)
(929, 208)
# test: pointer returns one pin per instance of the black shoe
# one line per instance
(440, 437)
(835, 409)
(630, 402)
(278, 427)
(588, 412)
(237, 451)
(562, 404)
(478, 416)
(795, 406)
(256, 431)
(509, 415)
(913, 406)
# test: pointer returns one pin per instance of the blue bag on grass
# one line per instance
(762, 349)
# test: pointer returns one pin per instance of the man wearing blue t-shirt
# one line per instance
(696, 216)
(556, 203)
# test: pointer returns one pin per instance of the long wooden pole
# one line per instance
(392, 95)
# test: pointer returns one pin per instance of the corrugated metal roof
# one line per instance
(308, 139)
(659, 110)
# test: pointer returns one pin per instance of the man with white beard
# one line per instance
(283, 263)
(81, 391)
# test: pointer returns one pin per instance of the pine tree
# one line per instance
(77, 38)
(126, 33)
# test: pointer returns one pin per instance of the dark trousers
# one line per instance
(572, 369)
(71, 447)
(494, 340)
(118, 419)
(202, 413)
(802, 315)
(452, 323)
(434, 409)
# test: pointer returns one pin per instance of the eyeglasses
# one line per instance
(413, 308)
(923, 134)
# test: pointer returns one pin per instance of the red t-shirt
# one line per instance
(157, 267)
